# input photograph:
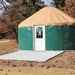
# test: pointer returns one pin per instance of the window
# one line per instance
(39, 32)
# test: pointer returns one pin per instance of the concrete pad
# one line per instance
(30, 55)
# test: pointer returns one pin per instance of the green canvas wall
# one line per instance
(25, 37)
(60, 38)
(57, 38)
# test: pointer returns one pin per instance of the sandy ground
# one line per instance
(35, 71)
(63, 64)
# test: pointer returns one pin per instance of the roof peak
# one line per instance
(48, 16)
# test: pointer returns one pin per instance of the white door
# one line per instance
(39, 38)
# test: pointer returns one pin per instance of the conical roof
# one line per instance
(48, 16)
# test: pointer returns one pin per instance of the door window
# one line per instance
(39, 32)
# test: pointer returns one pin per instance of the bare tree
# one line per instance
(12, 16)
(70, 7)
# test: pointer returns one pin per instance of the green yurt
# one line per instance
(46, 30)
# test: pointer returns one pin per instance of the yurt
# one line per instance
(46, 30)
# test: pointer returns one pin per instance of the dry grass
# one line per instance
(8, 47)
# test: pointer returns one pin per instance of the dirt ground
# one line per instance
(35, 71)
(6, 46)
(63, 64)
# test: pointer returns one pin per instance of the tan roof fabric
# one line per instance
(48, 16)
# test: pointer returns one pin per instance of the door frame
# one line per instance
(34, 37)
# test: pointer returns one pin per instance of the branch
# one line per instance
(1, 8)
(4, 6)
